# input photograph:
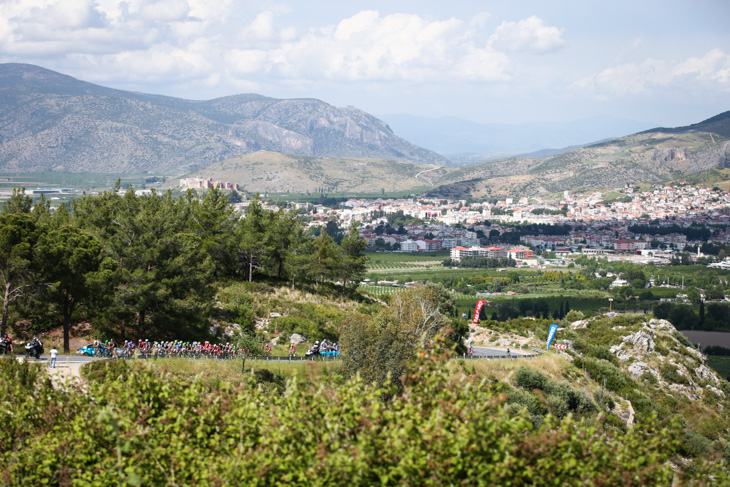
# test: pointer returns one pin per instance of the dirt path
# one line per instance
(63, 371)
(425, 171)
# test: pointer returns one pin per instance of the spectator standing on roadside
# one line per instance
(54, 354)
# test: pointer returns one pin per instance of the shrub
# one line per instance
(557, 406)
(530, 379)
(524, 399)
(106, 370)
(694, 444)
(670, 374)
(142, 429)
(287, 325)
(649, 377)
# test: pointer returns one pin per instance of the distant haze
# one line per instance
(450, 136)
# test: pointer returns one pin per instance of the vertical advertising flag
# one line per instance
(477, 310)
(551, 334)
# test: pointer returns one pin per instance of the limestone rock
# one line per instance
(704, 373)
(579, 324)
(716, 391)
(296, 339)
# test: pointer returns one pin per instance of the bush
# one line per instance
(670, 374)
(530, 379)
(524, 399)
(106, 370)
(649, 377)
(287, 325)
(133, 431)
(694, 445)
(599, 370)
(557, 406)
(717, 350)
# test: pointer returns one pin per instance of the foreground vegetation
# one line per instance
(140, 426)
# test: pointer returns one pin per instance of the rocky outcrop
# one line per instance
(639, 350)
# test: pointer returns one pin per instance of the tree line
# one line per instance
(147, 265)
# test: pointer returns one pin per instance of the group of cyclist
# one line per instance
(179, 348)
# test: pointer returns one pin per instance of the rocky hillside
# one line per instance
(630, 368)
(49, 121)
(657, 155)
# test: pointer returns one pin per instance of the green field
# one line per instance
(79, 181)
(398, 257)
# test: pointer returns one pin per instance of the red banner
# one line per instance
(477, 310)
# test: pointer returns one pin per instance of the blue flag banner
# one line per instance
(551, 334)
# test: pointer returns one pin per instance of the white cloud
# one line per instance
(132, 40)
(530, 34)
(713, 66)
(711, 70)
(368, 46)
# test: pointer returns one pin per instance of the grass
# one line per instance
(230, 370)
(550, 364)
(394, 257)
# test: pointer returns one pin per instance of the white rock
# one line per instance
(705, 373)
(579, 324)
(716, 391)
(637, 369)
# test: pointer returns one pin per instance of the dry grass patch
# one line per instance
(551, 365)
(230, 370)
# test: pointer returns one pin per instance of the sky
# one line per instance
(666, 62)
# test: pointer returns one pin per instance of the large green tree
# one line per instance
(163, 269)
(354, 262)
(251, 237)
(68, 256)
(18, 236)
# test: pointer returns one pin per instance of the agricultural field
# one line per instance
(396, 257)
(380, 290)
(79, 181)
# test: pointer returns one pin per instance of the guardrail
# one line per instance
(147, 356)
(495, 357)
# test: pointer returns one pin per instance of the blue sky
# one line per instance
(666, 62)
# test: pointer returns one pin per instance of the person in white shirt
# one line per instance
(54, 354)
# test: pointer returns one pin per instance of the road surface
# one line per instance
(494, 352)
(62, 359)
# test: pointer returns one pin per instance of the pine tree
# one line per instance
(702, 314)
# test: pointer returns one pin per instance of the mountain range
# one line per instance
(53, 122)
(50, 121)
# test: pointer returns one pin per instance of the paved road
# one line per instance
(62, 359)
(493, 352)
